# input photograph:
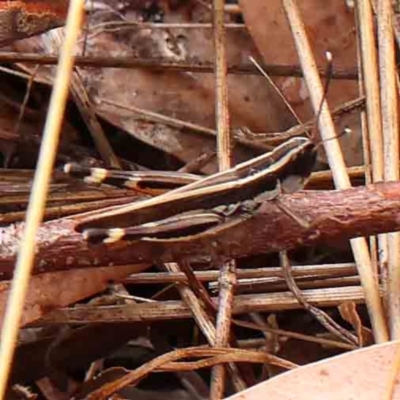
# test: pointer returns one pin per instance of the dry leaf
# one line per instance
(361, 374)
(53, 290)
(183, 95)
(329, 28)
(348, 311)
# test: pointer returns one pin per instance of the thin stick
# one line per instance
(366, 151)
(321, 271)
(224, 145)
(227, 276)
(39, 193)
(163, 64)
(153, 116)
(277, 90)
(294, 335)
(160, 117)
(387, 65)
(175, 309)
(131, 378)
(86, 109)
(370, 80)
(336, 162)
(204, 322)
(115, 26)
(370, 75)
(321, 316)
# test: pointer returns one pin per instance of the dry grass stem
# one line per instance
(174, 309)
(390, 120)
(336, 162)
(39, 193)
(323, 270)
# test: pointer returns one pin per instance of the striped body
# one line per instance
(283, 170)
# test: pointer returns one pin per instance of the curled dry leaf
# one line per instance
(363, 374)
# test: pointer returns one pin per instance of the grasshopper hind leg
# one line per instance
(176, 227)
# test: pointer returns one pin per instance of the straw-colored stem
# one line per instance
(370, 81)
(387, 64)
(369, 65)
(337, 165)
(39, 193)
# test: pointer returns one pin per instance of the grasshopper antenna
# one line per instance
(328, 74)
(277, 90)
(328, 80)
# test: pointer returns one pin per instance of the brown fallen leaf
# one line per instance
(329, 28)
(186, 96)
(50, 291)
(364, 374)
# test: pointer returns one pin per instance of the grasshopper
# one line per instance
(201, 203)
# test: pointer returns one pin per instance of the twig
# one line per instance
(336, 162)
(227, 276)
(30, 83)
(298, 130)
(117, 26)
(319, 315)
(294, 335)
(369, 63)
(194, 303)
(41, 182)
(333, 216)
(324, 270)
(162, 64)
(204, 321)
(198, 289)
(366, 150)
(175, 309)
(133, 377)
(86, 109)
(199, 162)
(373, 126)
(278, 284)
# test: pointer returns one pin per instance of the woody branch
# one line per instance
(331, 215)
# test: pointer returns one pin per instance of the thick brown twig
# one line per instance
(332, 216)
